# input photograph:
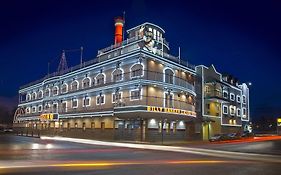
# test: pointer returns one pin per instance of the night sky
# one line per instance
(242, 38)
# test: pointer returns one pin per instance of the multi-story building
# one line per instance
(133, 86)
(222, 102)
(133, 90)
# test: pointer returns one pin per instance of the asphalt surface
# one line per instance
(25, 155)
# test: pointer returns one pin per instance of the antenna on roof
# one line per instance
(63, 64)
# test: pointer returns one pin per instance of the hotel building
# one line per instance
(133, 90)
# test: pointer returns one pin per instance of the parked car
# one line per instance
(218, 137)
(234, 136)
(8, 130)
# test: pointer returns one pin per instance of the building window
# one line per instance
(40, 108)
(225, 109)
(40, 94)
(47, 92)
(55, 107)
(87, 101)
(76, 125)
(55, 90)
(244, 112)
(64, 88)
(168, 100)
(64, 106)
(238, 98)
(93, 125)
(137, 70)
(232, 110)
(100, 99)
(84, 126)
(169, 76)
(207, 89)
(33, 109)
(117, 75)
(74, 103)
(28, 97)
(100, 79)
(33, 97)
(244, 99)
(86, 82)
(232, 97)
(135, 94)
(75, 85)
(27, 110)
(116, 97)
(102, 125)
(225, 94)
(238, 112)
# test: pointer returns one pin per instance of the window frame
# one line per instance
(223, 109)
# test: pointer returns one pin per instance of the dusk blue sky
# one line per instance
(242, 38)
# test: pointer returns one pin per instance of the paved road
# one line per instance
(24, 155)
(272, 147)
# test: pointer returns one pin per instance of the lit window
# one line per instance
(117, 75)
(169, 76)
(135, 94)
(244, 99)
(55, 90)
(232, 97)
(116, 97)
(28, 97)
(33, 96)
(100, 79)
(100, 99)
(86, 82)
(238, 112)
(87, 101)
(136, 70)
(27, 110)
(40, 108)
(47, 92)
(244, 112)
(225, 94)
(168, 100)
(33, 109)
(225, 109)
(55, 108)
(207, 89)
(74, 103)
(64, 106)
(238, 98)
(232, 110)
(40, 94)
(74, 85)
(64, 88)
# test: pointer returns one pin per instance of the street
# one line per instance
(22, 155)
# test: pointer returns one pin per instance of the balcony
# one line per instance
(215, 95)
(123, 102)
(153, 76)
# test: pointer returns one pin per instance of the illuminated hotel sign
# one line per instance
(47, 117)
(279, 122)
(170, 110)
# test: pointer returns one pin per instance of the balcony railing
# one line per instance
(158, 77)
(123, 102)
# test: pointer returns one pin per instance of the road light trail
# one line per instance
(200, 151)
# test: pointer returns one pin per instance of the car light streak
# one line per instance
(200, 151)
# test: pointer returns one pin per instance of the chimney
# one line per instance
(118, 36)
